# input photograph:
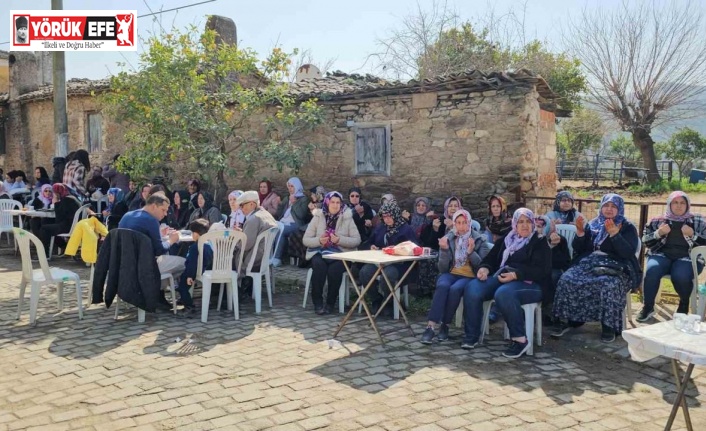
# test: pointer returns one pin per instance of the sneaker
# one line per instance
(607, 334)
(443, 332)
(469, 344)
(516, 350)
(427, 336)
(645, 314)
(559, 330)
(187, 313)
(276, 262)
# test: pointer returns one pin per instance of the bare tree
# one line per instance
(646, 64)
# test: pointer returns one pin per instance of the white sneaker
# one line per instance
(276, 262)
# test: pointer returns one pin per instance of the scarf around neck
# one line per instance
(498, 225)
(419, 220)
(45, 201)
(669, 215)
(513, 240)
(331, 219)
(461, 251)
(390, 208)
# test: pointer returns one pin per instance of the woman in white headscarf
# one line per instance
(236, 217)
(293, 213)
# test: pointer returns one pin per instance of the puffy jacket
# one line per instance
(130, 266)
(86, 234)
(346, 230)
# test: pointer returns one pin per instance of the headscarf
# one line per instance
(513, 240)
(207, 202)
(547, 224)
(461, 251)
(389, 197)
(448, 201)
(669, 215)
(237, 217)
(360, 199)
(331, 219)
(118, 196)
(565, 216)
(597, 225)
(394, 211)
(298, 186)
(269, 190)
(320, 193)
(60, 190)
(498, 225)
(45, 201)
(417, 220)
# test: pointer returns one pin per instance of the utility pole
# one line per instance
(61, 122)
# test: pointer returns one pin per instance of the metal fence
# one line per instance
(597, 168)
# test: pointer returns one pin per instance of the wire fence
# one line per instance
(597, 168)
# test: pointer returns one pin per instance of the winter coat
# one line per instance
(128, 262)
(271, 203)
(346, 230)
(533, 262)
(300, 211)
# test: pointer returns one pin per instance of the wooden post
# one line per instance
(595, 171)
(620, 174)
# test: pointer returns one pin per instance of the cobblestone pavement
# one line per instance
(277, 370)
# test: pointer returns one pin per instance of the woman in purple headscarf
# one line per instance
(604, 270)
(515, 272)
(332, 230)
(670, 239)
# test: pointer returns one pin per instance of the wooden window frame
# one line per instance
(388, 145)
(88, 132)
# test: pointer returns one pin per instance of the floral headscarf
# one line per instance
(331, 219)
(419, 220)
(597, 225)
(389, 197)
(320, 193)
(669, 215)
(60, 190)
(513, 240)
(461, 251)
(501, 224)
(298, 186)
(448, 201)
(118, 196)
(46, 201)
(565, 216)
(390, 208)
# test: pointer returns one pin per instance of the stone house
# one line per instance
(467, 134)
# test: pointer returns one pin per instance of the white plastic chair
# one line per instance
(101, 204)
(280, 228)
(266, 240)
(343, 293)
(698, 301)
(280, 231)
(79, 215)
(568, 231)
(628, 302)
(223, 243)
(485, 324)
(6, 225)
(140, 312)
(42, 277)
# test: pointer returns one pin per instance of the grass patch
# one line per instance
(665, 186)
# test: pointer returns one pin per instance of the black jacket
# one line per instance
(533, 262)
(127, 261)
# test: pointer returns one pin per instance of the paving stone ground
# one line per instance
(278, 371)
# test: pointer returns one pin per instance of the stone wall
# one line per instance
(447, 143)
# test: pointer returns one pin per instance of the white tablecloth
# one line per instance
(33, 213)
(663, 339)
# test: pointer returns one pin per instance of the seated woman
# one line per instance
(269, 200)
(460, 254)
(97, 184)
(330, 231)
(41, 177)
(564, 211)
(181, 208)
(421, 221)
(392, 231)
(41, 202)
(670, 239)
(513, 273)
(65, 207)
(561, 261)
(293, 213)
(421, 215)
(362, 212)
(498, 223)
(237, 217)
(116, 208)
(206, 209)
(605, 269)
(139, 200)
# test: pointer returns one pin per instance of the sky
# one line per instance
(343, 31)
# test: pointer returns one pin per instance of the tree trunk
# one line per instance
(221, 188)
(643, 141)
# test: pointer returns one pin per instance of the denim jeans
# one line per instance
(447, 296)
(682, 278)
(510, 297)
(366, 274)
(282, 241)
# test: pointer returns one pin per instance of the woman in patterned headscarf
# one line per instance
(605, 269)
(670, 239)
(513, 273)
(332, 230)
(392, 231)
(564, 211)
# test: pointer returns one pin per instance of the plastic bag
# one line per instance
(407, 248)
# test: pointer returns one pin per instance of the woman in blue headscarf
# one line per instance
(293, 213)
(605, 269)
(564, 211)
(116, 208)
